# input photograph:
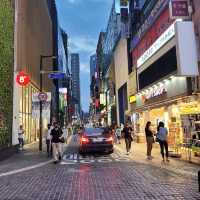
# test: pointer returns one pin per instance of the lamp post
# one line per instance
(41, 85)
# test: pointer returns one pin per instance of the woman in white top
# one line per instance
(21, 137)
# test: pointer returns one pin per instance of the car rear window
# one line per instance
(93, 131)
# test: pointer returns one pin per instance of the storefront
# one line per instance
(169, 101)
(30, 124)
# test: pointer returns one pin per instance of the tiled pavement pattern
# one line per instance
(98, 182)
(113, 180)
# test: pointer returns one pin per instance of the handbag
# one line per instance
(157, 139)
(62, 140)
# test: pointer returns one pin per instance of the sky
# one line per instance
(83, 20)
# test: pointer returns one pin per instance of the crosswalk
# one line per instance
(75, 158)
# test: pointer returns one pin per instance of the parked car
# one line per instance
(96, 140)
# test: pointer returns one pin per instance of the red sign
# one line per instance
(179, 9)
(22, 79)
(159, 27)
(42, 96)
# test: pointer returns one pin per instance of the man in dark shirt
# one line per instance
(56, 134)
(128, 137)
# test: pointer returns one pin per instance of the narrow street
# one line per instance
(94, 177)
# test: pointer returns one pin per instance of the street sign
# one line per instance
(42, 96)
(22, 79)
(57, 75)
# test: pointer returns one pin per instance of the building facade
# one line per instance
(165, 88)
(75, 70)
(32, 39)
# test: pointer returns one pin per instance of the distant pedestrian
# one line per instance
(161, 137)
(56, 134)
(149, 139)
(21, 137)
(128, 137)
(48, 140)
(118, 134)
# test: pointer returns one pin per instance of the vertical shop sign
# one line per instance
(179, 9)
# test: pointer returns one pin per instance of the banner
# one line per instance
(46, 106)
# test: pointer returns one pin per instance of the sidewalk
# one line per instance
(138, 154)
(28, 157)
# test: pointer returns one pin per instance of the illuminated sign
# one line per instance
(132, 99)
(22, 79)
(161, 41)
(151, 19)
(154, 91)
(102, 99)
(179, 9)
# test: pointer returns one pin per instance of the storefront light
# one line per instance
(172, 77)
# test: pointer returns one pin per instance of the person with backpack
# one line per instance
(56, 134)
(161, 137)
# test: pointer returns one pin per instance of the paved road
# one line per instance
(97, 177)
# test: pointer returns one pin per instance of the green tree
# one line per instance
(6, 70)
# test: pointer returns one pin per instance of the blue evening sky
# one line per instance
(83, 20)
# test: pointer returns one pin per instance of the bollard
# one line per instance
(199, 179)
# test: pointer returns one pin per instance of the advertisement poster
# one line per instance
(46, 105)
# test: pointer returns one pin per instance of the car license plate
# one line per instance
(97, 139)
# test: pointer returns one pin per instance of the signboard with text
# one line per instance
(158, 28)
(179, 9)
(22, 79)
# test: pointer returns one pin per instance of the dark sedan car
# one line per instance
(95, 140)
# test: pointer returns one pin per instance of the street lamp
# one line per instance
(41, 84)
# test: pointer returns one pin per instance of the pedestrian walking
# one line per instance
(21, 137)
(128, 137)
(161, 137)
(56, 140)
(48, 140)
(149, 139)
(118, 134)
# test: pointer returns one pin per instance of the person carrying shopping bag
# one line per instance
(56, 140)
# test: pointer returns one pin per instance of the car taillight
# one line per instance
(85, 140)
(110, 139)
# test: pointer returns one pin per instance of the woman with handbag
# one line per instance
(149, 139)
(161, 137)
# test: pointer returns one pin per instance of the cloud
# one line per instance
(84, 68)
(82, 44)
(71, 1)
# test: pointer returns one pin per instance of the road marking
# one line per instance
(75, 156)
(104, 160)
(71, 156)
(87, 161)
(25, 169)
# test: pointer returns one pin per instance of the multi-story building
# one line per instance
(63, 83)
(93, 64)
(75, 70)
(32, 41)
(165, 62)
